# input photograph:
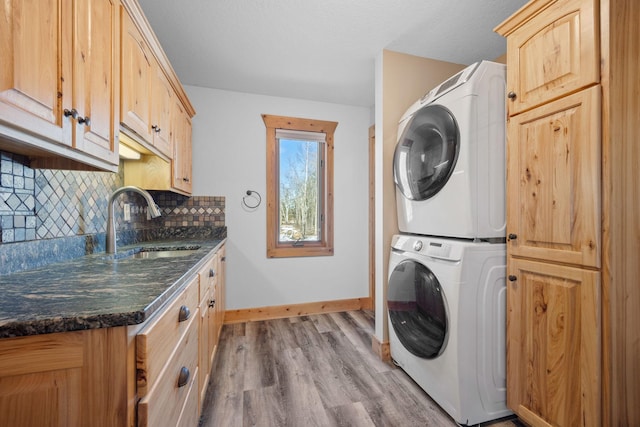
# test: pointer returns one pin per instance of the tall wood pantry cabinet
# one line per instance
(573, 212)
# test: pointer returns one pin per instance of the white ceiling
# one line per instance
(322, 50)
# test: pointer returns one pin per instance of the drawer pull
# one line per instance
(212, 303)
(512, 278)
(184, 314)
(513, 236)
(211, 272)
(183, 378)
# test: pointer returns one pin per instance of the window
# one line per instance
(299, 186)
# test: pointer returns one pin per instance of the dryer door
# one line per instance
(426, 153)
(417, 310)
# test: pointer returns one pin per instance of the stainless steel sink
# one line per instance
(169, 253)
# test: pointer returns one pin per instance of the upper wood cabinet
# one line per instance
(553, 54)
(182, 157)
(138, 68)
(162, 103)
(59, 82)
(147, 95)
(553, 181)
(155, 110)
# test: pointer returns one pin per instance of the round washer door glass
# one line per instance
(426, 153)
(417, 309)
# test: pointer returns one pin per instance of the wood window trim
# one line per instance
(280, 250)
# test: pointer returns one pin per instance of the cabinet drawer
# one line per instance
(208, 276)
(163, 405)
(554, 53)
(190, 414)
(156, 342)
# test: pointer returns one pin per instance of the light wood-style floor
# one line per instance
(314, 370)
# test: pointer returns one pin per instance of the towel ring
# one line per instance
(250, 193)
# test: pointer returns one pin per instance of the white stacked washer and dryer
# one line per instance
(446, 294)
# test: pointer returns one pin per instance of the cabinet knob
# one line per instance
(185, 179)
(512, 95)
(223, 259)
(512, 278)
(184, 313)
(513, 236)
(212, 303)
(211, 272)
(73, 113)
(183, 378)
(85, 120)
(154, 127)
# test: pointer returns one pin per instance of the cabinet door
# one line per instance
(181, 165)
(553, 181)
(203, 349)
(161, 117)
(554, 53)
(41, 380)
(32, 80)
(553, 344)
(222, 264)
(137, 64)
(95, 77)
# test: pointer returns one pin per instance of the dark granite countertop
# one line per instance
(96, 291)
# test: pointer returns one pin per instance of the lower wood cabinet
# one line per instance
(145, 375)
(66, 379)
(553, 356)
(211, 315)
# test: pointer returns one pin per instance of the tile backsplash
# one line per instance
(38, 204)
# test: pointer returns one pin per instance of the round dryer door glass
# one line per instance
(426, 153)
(417, 309)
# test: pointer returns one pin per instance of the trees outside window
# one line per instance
(299, 186)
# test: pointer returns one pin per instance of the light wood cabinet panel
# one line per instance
(207, 279)
(41, 381)
(203, 350)
(96, 77)
(553, 358)
(163, 406)
(190, 415)
(553, 181)
(554, 53)
(31, 80)
(182, 156)
(147, 96)
(66, 379)
(58, 82)
(137, 73)
(211, 315)
(162, 103)
(158, 340)
(221, 297)
(152, 172)
(613, 45)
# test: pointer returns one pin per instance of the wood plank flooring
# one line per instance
(313, 371)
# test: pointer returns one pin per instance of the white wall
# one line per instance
(229, 157)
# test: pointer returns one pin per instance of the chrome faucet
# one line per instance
(154, 211)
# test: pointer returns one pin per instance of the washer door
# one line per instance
(417, 310)
(426, 153)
